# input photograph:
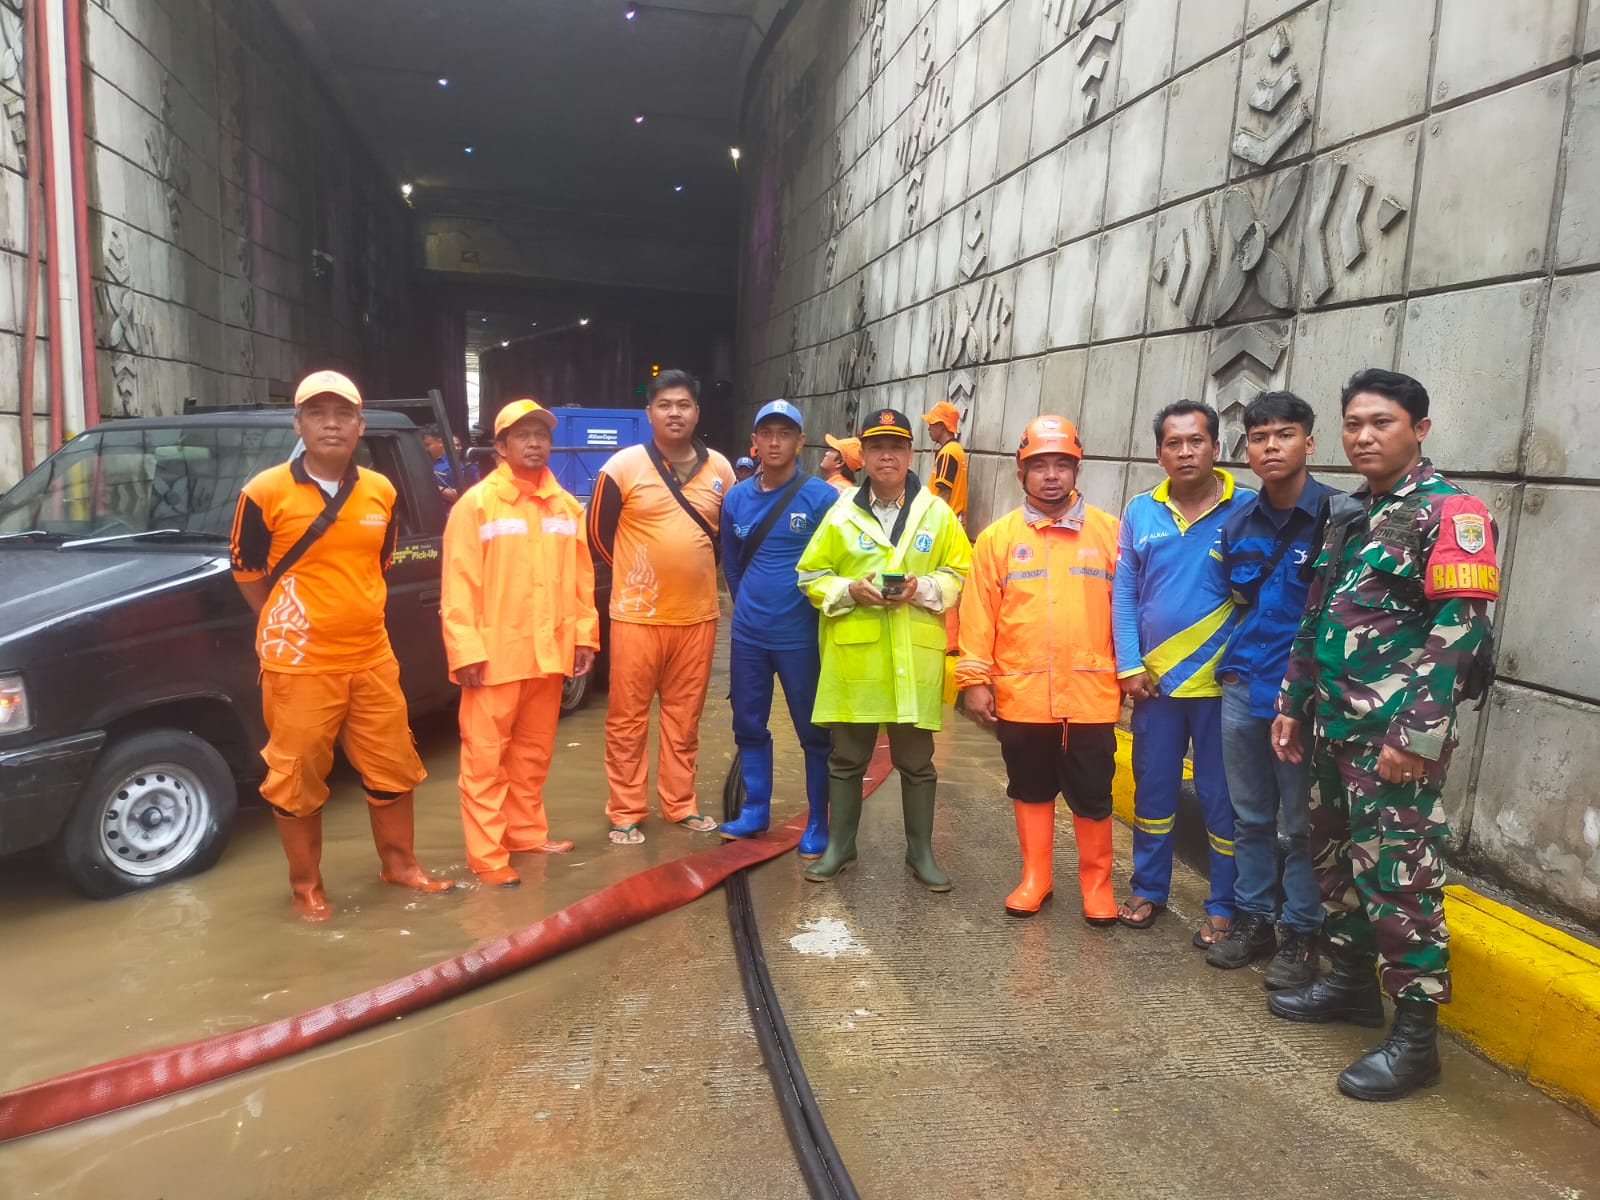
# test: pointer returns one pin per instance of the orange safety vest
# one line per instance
(1036, 617)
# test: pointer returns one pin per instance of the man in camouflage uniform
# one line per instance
(1387, 648)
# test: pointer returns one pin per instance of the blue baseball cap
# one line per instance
(779, 408)
(746, 461)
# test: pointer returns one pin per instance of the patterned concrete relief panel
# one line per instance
(1123, 280)
(1024, 387)
(1277, 90)
(1061, 387)
(1171, 368)
(1356, 218)
(1133, 178)
(1110, 380)
(1245, 361)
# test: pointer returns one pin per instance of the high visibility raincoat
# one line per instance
(881, 664)
(525, 541)
(1036, 617)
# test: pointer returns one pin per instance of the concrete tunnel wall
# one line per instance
(1094, 207)
(217, 163)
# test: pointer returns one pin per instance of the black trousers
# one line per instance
(1046, 761)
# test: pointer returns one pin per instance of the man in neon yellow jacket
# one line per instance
(883, 568)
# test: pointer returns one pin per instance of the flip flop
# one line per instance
(1210, 933)
(625, 835)
(1128, 912)
(696, 823)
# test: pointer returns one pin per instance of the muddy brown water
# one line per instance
(956, 1052)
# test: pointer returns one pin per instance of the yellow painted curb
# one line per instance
(1525, 994)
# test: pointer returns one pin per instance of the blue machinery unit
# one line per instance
(586, 437)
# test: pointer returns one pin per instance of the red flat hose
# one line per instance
(95, 1091)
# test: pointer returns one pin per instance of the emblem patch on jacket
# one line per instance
(1023, 553)
(923, 542)
(797, 522)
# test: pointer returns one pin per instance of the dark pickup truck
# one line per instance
(130, 716)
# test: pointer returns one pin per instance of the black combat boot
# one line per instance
(1251, 937)
(1349, 993)
(1407, 1060)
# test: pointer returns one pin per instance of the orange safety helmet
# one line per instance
(1049, 435)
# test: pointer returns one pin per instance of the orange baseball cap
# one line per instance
(326, 383)
(849, 449)
(517, 410)
(943, 413)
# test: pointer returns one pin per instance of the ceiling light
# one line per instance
(629, 14)
(406, 190)
(583, 320)
(503, 345)
(534, 325)
(678, 187)
(734, 152)
(468, 149)
(638, 118)
(443, 82)
(484, 320)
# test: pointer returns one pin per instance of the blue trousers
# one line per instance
(1261, 786)
(750, 672)
(1163, 728)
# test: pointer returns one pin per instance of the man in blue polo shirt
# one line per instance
(1171, 616)
(1264, 548)
(774, 512)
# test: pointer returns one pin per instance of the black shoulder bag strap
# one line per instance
(318, 527)
(675, 486)
(759, 533)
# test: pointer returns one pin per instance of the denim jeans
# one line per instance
(1260, 786)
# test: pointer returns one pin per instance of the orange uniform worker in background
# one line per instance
(1038, 665)
(840, 462)
(519, 618)
(950, 459)
(655, 518)
(311, 541)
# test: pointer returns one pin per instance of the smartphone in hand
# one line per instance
(893, 585)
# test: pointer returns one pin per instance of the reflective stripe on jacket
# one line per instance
(518, 583)
(881, 664)
(1036, 617)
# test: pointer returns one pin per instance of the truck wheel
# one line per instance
(159, 805)
(575, 692)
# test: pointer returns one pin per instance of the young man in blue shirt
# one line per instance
(1265, 544)
(774, 623)
(1172, 615)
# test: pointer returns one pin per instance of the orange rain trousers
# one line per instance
(364, 711)
(508, 732)
(674, 662)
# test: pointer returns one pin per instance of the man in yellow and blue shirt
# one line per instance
(1172, 616)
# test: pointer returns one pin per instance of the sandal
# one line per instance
(1136, 912)
(625, 835)
(698, 824)
(1210, 933)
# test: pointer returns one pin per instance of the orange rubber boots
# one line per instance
(1036, 834)
(1094, 869)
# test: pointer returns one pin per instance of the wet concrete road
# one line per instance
(956, 1052)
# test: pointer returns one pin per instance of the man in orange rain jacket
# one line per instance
(1038, 666)
(519, 617)
(949, 459)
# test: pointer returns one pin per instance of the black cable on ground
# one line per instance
(824, 1171)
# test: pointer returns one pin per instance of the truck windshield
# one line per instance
(114, 481)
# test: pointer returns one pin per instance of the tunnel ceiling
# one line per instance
(546, 93)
